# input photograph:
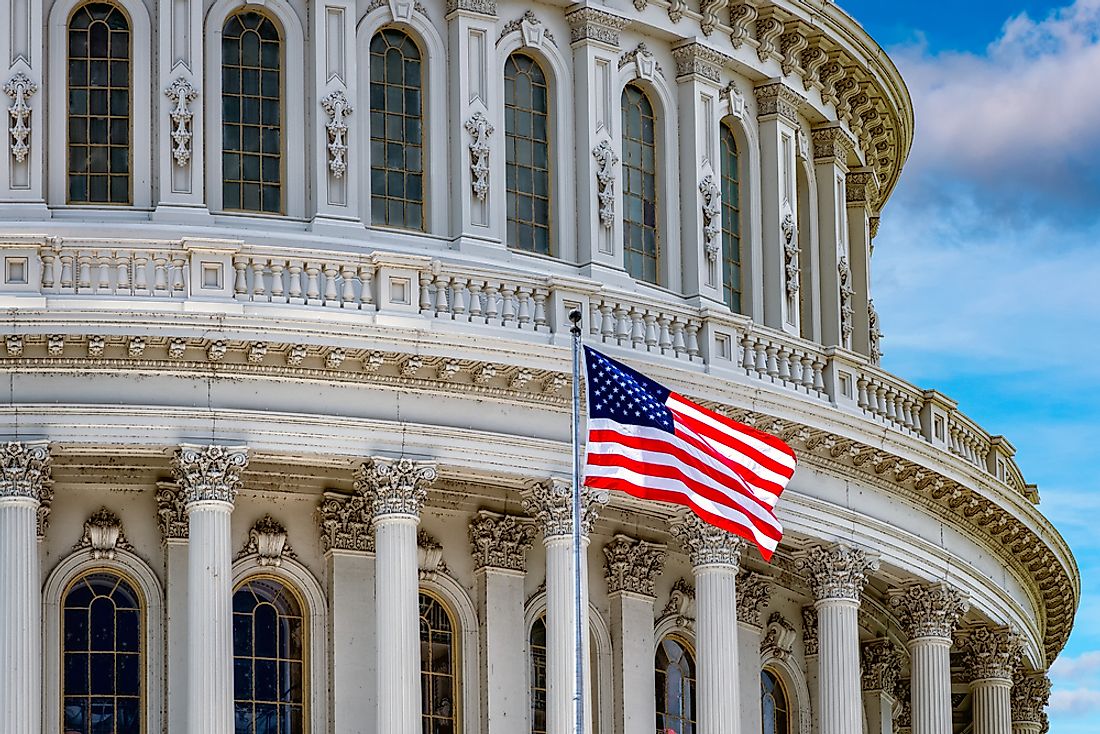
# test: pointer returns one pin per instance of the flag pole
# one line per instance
(578, 632)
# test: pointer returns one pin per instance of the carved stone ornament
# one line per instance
(736, 100)
(881, 666)
(836, 572)
(645, 65)
(813, 58)
(789, 230)
(742, 17)
(45, 505)
(182, 95)
(267, 540)
(874, 334)
(589, 24)
(209, 473)
(753, 591)
(1030, 695)
(24, 469)
(550, 502)
(531, 29)
(429, 556)
(632, 565)
(768, 31)
(681, 605)
(481, 7)
(809, 630)
(501, 541)
(847, 295)
(777, 99)
(480, 130)
(990, 653)
(337, 107)
(345, 523)
(171, 512)
(103, 535)
(903, 711)
(20, 88)
(706, 544)
(928, 611)
(395, 487)
(606, 160)
(695, 59)
(711, 11)
(712, 216)
(779, 637)
(791, 46)
(676, 10)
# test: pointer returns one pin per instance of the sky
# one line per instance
(986, 272)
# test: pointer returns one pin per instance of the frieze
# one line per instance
(831, 145)
(632, 565)
(481, 7)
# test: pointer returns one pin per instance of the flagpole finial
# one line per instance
(575, 318)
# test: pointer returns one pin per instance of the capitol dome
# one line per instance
(286, 357)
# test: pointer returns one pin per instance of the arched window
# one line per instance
(252, 116)
(102, 655)
(675, 682)
(527, 141)
(438, 663)
(731, 221)
(641, 245)
(773, 703)
(537, 646)
(99, 105)
(268, 653)
(396, 131)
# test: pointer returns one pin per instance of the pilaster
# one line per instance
(335, 113)
(22, 159)
(881, 673)
(861, 190)
(831, 147)
(175, 531)
(991, 656)
(752, 598)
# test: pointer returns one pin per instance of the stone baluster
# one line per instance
(929, 614)
(550, 503)
(715, 555)
(881, 673)
(209, 478)
(24, 482)
(395, 490)
(1030, 695)
(990, 657)
(752, 598)
(631, 568)
(837, 575)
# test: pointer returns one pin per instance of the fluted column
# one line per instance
(1030, 695)
(395, 492)
(752, 597)
(929, 614)
(990, 658)
(24, 476)
(500, 544)
(881, 672)
(837, 575)
(209, 477)
(715, 556)
(631, 568)
(550, 503)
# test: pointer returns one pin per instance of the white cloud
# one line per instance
(1076, 702)
(1085, 664)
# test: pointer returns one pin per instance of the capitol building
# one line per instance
(285, 445)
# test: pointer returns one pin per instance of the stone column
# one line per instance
(550, 503)
(174, 530)
(831, 146)
(929, 614)
(862, 188)
(499, 544)
(991, 655)
(348, 547)
(715, 555)
(837, 575)
(881, 672)
(209, 478)
(1030, 694)
(24, 478)
(752, 597)
(631, 567)
(395, 491)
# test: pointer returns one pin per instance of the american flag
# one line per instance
(648, 441)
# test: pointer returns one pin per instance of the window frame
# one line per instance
(725, 128)
(553, 249)
(457, 678)
(660, 245)
(781, 683)
(688, 648)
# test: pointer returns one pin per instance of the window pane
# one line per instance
(731, 221)
(641, 242)
(438, 686)
(675, 687)
(396, 129)
(537, 647)
(527, 175)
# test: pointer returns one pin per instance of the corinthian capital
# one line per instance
(345, 523)
(706, 544)
(928, 610)
(25, 470)
(881, 666)
(990, 652)
(837, 572)
(209, 473)
(501, 541)
(550, 502)
(1030, 694)
(632, 564)
(395, 487)
(752, 596)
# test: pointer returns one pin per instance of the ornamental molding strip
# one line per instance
(550, 503)
(532, 30)
(395, 486)
(705, 544)
(836, 572)
(1030, 696)
(712, 216)
(990, 653)
(267, 540)
(778, 640)
(606, 160)
(480, 130)
(182, 94)
(809, 629)
(632, 565)
(501, 541)
(930, 610)
(881, 668)
(337, 107)
(753, 593)
(680, 609)
(103, 535)
(209, 473)
(171, 513)
(345, 522)
(20, 88)
(645, 64)
(589, 24)
(24, 469)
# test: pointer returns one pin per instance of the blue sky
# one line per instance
(987, 265)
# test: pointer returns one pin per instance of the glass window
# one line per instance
(396, 131)
(731, 221)
(641, 246)
(102, 627)
(675, 682)
(268, 659)
(252, 126)
(438, 681)
(537, 647)
(99, 106)
(527, 144)
(773, 702)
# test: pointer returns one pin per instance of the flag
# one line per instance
(648, 441)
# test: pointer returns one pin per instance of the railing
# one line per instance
(439, 293)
